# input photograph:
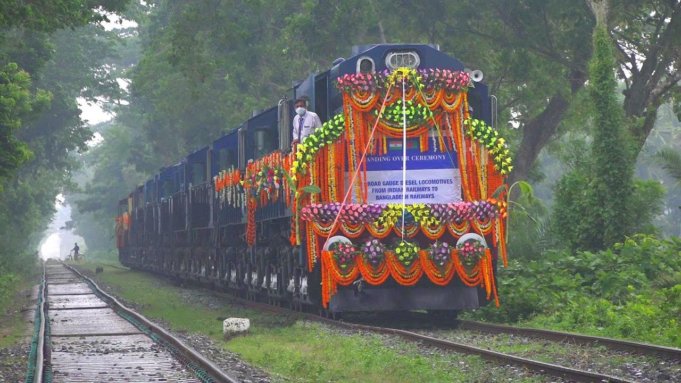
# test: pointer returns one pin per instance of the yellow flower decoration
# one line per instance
(403, 73)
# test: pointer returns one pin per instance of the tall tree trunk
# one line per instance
(536, 134)
(542, 129)
(600, 9)
(653, 81)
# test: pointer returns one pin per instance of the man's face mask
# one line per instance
(301, 110)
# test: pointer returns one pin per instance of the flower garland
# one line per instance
(452, 81)
(229, 188)
(361, 82)
(349, 213)
(428, 79)
(492, 141)
(306, 151)
(250, 221)
(345, 272)
(431, 216)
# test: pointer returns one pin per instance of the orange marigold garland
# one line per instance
(332, 276)
(440, 275)
(250, 221)
(375, 268)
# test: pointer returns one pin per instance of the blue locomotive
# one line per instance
(395, 203)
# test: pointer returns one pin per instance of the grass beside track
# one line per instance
(13, 327)
(292, 349)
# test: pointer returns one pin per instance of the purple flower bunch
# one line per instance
(483, 210)
(350, 213)
(319, 212)
(360, 213)
(440, 253)
(454, 81)
(344, 254)
(460, 211)
(470, 252)
(360, 82)
(373, 252)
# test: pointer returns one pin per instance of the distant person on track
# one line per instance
(75, 250)
(304, 122)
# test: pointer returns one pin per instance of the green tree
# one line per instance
(41, 74)
(112, 177)
(595, 203)
(671, 162)
(535, 56)
(50, 15)
(16, 102)
(613, 167)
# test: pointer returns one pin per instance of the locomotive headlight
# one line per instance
(409, 59)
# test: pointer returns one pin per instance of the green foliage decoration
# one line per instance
(325, 135)
(406, 252)
(416, 114)
(418, 213)
(493, 142)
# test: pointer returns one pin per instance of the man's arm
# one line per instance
(317, 122)
(295, 132)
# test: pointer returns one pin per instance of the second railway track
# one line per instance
(614, 344)
(564, 371)
(615, 360)
(84, 335)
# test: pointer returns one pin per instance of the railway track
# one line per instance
(84, 335)
(539, 367)
(590, 353)
(543, 368)
(420, 321)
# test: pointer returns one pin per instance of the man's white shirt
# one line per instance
(311, 122)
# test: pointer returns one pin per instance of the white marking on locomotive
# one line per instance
(303, 287)
(273, 281)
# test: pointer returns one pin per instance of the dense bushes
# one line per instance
(7, 282)
(631, 290)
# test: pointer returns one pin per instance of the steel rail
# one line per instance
(187, 351)
(39, 359)
(559, 336)
(530, 364)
